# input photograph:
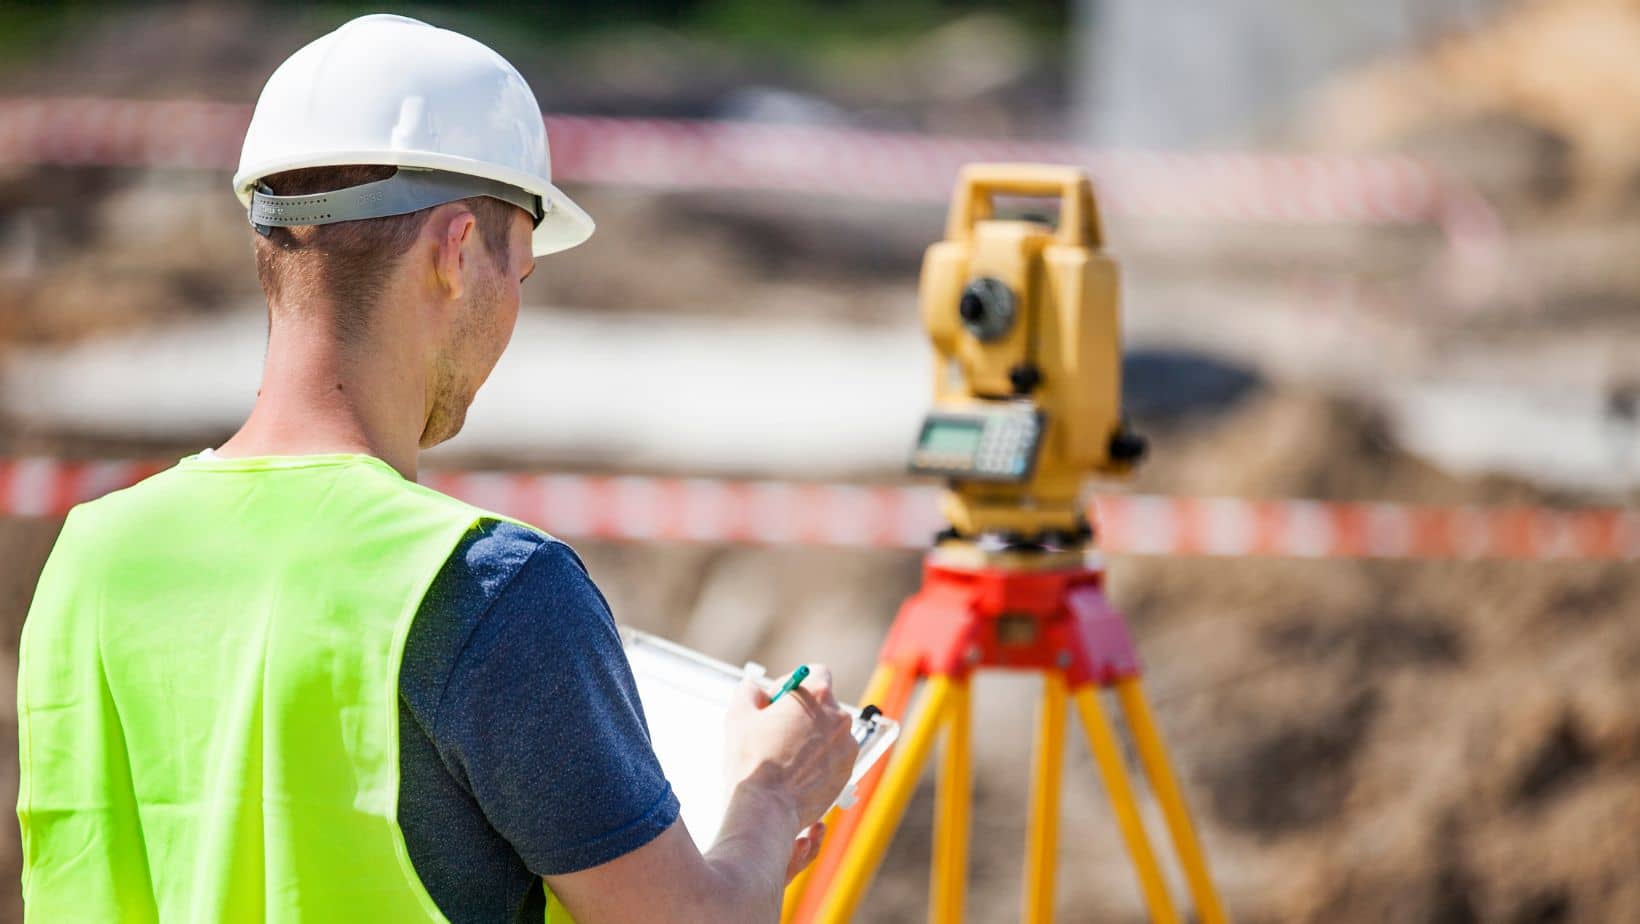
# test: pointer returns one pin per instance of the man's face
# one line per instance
(479, 333)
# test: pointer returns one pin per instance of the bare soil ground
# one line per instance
(1362, 741)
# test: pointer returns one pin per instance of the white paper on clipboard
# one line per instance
(686, 697)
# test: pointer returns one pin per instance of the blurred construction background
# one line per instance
(1416, 280)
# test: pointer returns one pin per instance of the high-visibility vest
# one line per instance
(208, 696)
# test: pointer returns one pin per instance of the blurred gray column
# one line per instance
(1198, 73)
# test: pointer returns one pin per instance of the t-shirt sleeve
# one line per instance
(540, 721)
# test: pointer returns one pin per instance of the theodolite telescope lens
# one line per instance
(986, 308)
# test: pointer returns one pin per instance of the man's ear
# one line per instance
(456, 228)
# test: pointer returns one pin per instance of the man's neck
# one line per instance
(320, 397)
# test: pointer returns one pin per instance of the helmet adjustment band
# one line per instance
(410, 189)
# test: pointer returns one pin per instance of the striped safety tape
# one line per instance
(680, 154)
(866, 516)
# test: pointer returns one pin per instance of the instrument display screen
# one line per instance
(956, 437)
(979, 443)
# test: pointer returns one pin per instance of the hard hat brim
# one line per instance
(564, 225)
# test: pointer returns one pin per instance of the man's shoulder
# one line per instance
(497, 552)
(495, 547)
(503, 579)
(489, 560)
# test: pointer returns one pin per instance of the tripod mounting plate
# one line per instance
(965, 619)
(973, 557)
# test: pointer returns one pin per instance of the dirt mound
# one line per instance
(1362, 741)
(1374, 741)
(1299, 443)
(1546, 92)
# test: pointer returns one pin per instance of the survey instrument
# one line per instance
(1024, 320)
(1022, 313)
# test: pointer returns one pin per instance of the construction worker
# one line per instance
(280, 681)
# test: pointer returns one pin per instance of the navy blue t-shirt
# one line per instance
(523, 750)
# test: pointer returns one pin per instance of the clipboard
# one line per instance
(686, 696)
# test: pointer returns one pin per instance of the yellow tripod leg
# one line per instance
(876, 689)
(882, 816)
(952, 803)
(1042, 835)
(1153, 755)
(1102, 739)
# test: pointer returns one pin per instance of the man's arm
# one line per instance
(539, 720)
(790, 762)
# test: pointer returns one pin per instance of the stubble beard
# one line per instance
(456, 382)
(449, 410)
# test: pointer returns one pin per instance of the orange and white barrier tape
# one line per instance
(680, 154)
(787, 513)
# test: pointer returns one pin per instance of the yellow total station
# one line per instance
(1024, 320)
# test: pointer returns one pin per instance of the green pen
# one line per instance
(797, 677)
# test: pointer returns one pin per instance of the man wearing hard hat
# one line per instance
(280, 681)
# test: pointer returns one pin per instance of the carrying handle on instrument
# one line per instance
(979, 184)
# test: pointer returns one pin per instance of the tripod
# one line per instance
(1043, 611)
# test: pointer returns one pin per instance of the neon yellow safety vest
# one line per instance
(208, 696)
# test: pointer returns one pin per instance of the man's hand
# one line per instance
(798, 748)
(805, 849)
(787, 762)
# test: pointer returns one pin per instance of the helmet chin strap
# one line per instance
(411, 189)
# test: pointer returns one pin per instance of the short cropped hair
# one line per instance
(348, 263)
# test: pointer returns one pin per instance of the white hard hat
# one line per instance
(382, 89)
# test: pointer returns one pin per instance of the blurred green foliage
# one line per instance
(26, 28)
(784, 26)
(821, 39)
(775, 24)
